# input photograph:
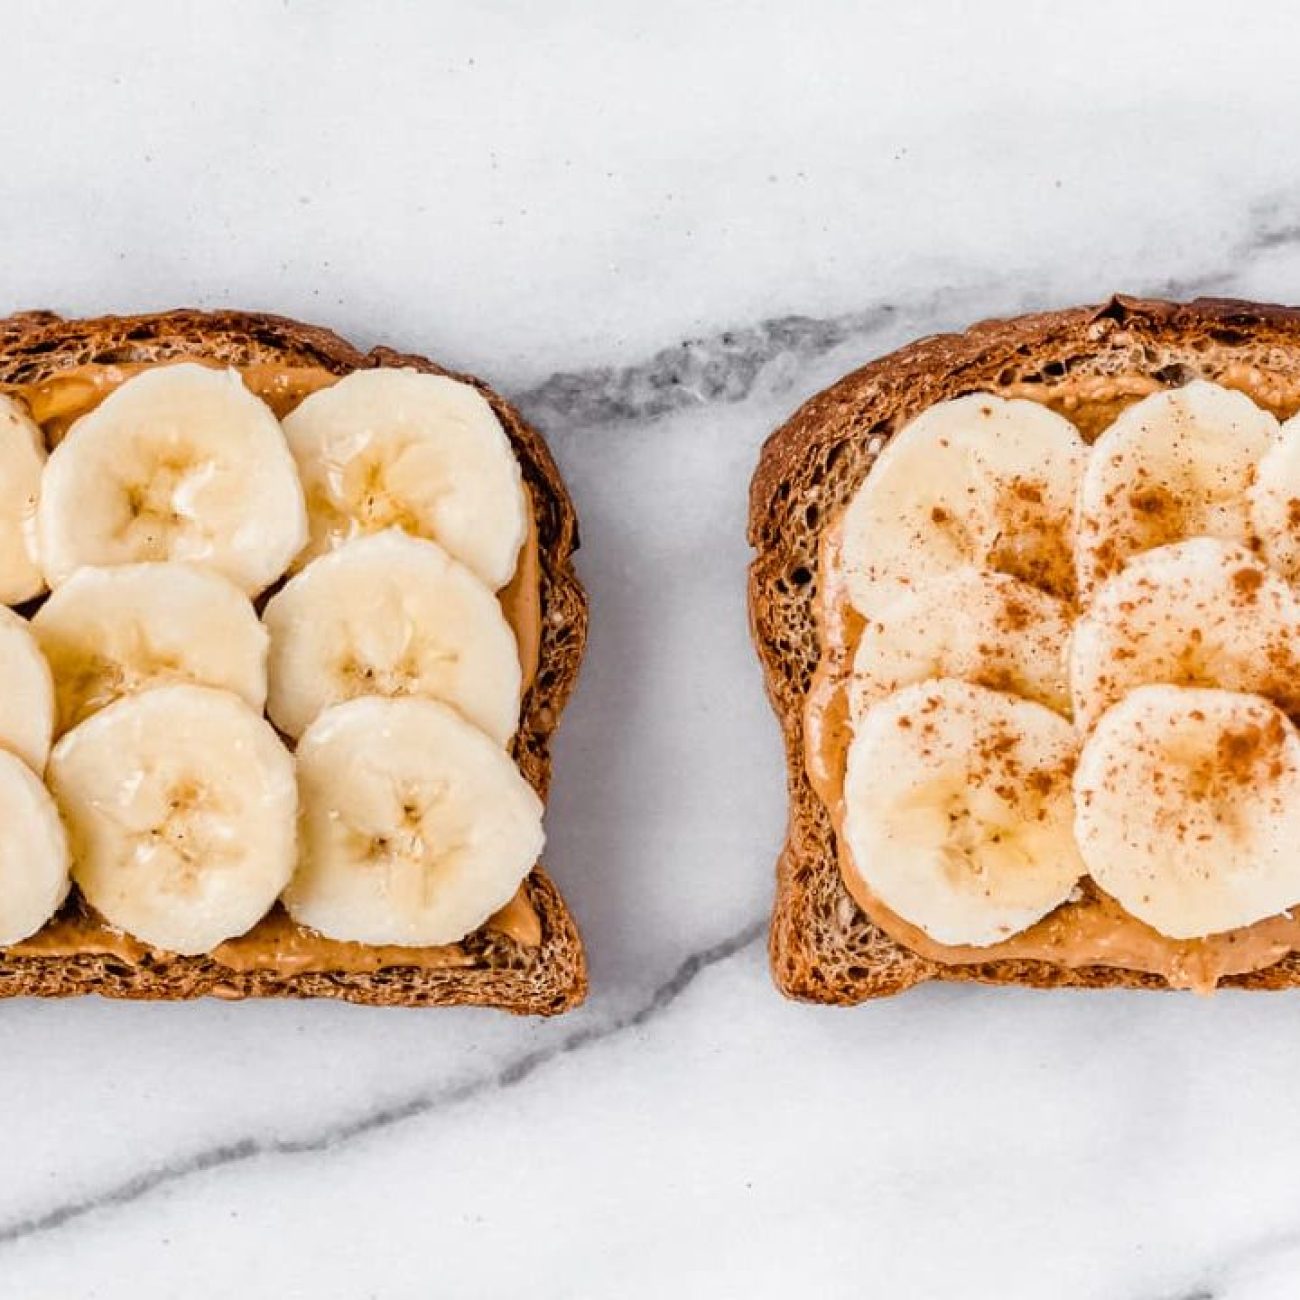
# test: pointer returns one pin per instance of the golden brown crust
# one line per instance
(502, 973)
(823, 948)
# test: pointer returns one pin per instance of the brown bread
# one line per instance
(1087, 363)
(492, 969)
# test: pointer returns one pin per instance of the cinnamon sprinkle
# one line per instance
(1247, 582)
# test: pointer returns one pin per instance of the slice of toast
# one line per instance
(490, 968)
(1087, 363)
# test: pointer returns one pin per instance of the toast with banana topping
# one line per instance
(291, 628)
(1025, 603)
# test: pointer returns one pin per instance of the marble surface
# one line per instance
(659, 227)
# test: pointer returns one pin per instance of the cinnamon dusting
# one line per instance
(1247, 582)
(1091, 930)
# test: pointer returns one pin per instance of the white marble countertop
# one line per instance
(659, 227)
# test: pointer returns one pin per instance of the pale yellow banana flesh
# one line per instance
(981, 627)
(1275, 503)
(416, 826)
(181, 462)
(958, 811)
(1188, 808)
(1195, 613)
(114, 632)
(33, 852)
(398, 448)
(979, 482)
(158, 516)
(1176, 465)
(22, 458)
(391, 615)
(26, 693)
(181, 809)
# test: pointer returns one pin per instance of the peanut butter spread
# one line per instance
(276, 943)
(1091, 929)
(1091, 402)
(55, 403)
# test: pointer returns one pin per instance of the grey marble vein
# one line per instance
(724, 367)
(421, 1104)
(1273, 225)
(1201, 285)
(1270, 227)
(727, 366)
(1237, 1272)
(721, 367)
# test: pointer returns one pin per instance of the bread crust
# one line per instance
(822, 947)
(499, 972)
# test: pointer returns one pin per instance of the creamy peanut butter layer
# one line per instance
(276, 942)
(1092, 928)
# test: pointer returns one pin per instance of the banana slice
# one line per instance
(398, 448)
(980, 482)
(1188, 808)
(33, 853)
(391, 615)
(1177, 464)
(114, 632)
(27, 694)
(22, 457)
(958, 811)
(181, 462)
(416, 827)
(980, 627)
(1196, 613)
(1275, 502)
(181, 806)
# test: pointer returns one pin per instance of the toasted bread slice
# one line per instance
(1087, 363)
(489, 968)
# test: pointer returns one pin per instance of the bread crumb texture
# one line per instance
(497, 971)
(1088, 364)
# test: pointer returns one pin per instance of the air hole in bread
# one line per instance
(1175, 375)
(1114, 310)
(1230, 338)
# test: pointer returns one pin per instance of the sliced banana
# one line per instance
(415, 826)
(33, 853)
(981, 627)
(398, 448)
(1188, 808)
(980, 481)
(181, 462)
(181, 807)
(391, 615)
(22, 458)
(1275, 502)
(1177, 464)
(114, 632)
(1196, 613)
(26, 693)
(958, 810)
